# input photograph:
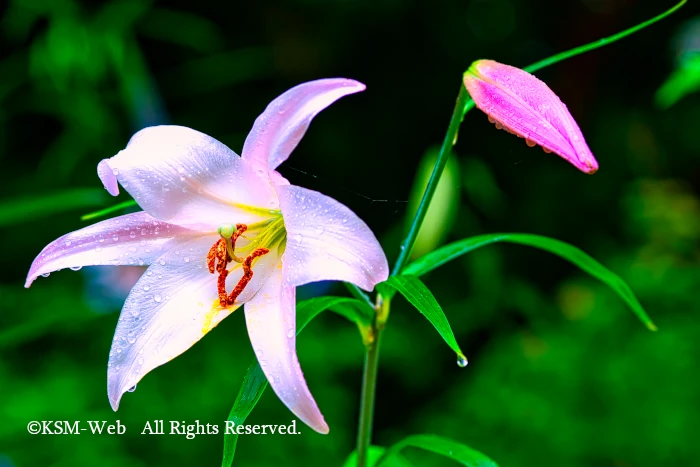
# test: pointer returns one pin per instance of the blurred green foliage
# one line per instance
(560, 373)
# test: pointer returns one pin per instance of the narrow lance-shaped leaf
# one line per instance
(568, 252)
(109, 210)
(458, 452)
(420, 297)
(254, 381)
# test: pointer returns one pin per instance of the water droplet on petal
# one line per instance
(290, 333)
(146, 288)
(157, 298)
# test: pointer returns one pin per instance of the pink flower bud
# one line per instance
(522, 104)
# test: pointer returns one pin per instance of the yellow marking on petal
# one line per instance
(209, 317)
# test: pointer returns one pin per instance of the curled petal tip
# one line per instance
(523, 105)
(109, 180)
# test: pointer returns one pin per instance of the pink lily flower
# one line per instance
(522, 104)
(218, 231)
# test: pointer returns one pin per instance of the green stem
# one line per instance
(369, 384)
(601, 42)
(445, 149)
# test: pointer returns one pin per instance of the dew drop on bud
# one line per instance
(462, 361)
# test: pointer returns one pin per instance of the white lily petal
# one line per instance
(271, 321)
(186, 177)
(278, 130)
(133, 239)
(172, 306)
(327, 241)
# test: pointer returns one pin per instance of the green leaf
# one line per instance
(375, 453)
(109, 210)
(17, 210)
(254, 381)
(446, 447)
(564, 250)
(420, 297)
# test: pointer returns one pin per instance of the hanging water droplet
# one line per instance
(462, 361)
(76, 268)
(131, 389)
(46, 274)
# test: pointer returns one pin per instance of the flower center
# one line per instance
(224, 252)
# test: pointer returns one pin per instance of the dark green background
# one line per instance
(560, 373)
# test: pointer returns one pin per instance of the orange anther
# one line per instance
(247, 274)
(219, 252)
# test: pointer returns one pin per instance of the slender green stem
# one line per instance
(445, 149)
(369, 384)
(601, 42)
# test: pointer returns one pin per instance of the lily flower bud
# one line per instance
(523, 105)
